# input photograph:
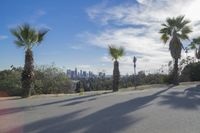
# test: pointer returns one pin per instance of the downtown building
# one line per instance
(75, 74)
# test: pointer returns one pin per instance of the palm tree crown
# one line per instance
(27, 36)
(115, 52)
(175, 30)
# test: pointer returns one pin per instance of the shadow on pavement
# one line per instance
(188, 99)
(108, 120)
(78, 102)
(81, 99)
(9, 99)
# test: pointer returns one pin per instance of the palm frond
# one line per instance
(184, 32)
(41, 35)
(166, 30)
(171, 22)
(179, 19)
(116, 52)
(164, 38)
(181, 23)
(196, 40)
(192, 45)
(28, 36)
(15, 33)
(19, 43)
(121, 51)
(183, 36)
(24, 31)
(165, 25)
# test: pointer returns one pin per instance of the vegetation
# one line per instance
(48, 80)
(175, 30)
(105, 83)
(195, 44)
(52, 80)
(27, 37)
(191, 72)
(116, 53)
(10, 84)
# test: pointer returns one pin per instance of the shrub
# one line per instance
(10, 84)
(50, 80)
(47, 80)
(191, 72)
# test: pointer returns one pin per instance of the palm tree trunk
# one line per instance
(27, 74)
(175, 72)
(116, 76)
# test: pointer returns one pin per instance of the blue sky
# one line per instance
(66, 21)
(80, 31)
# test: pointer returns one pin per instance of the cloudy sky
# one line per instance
(81, 30)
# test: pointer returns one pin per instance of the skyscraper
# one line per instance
(75, 73)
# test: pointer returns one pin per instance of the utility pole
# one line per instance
(134, 62)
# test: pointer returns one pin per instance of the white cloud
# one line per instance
(76, 47)
(37, 15)
(151, 52)
(45, 26)
(145, 12)
(135, 26)
(41, 12)
(3, 37)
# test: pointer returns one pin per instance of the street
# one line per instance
(159, 110)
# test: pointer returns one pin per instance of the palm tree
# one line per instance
(175, 30)
(116, 53)
(27, 37)
(195, 44)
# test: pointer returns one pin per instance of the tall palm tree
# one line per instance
(195, 44)
(116, 53)
(175, 30)
(27, 37)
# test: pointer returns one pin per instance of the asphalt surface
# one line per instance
(159, 110)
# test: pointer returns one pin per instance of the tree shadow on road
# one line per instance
(68, 102)
(46, 123)
(115, 118)
(188, 99)
(79, 101)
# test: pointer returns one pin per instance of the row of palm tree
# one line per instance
(173, 31)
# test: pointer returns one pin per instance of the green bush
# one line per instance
(10, 83)
(191, 72)
(47, 80)
(50, 80)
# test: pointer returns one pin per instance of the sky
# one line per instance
(81, 30)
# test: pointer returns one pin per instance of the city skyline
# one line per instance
(75, 74)
(80, 34)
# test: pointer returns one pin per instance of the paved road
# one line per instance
(161, 110)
